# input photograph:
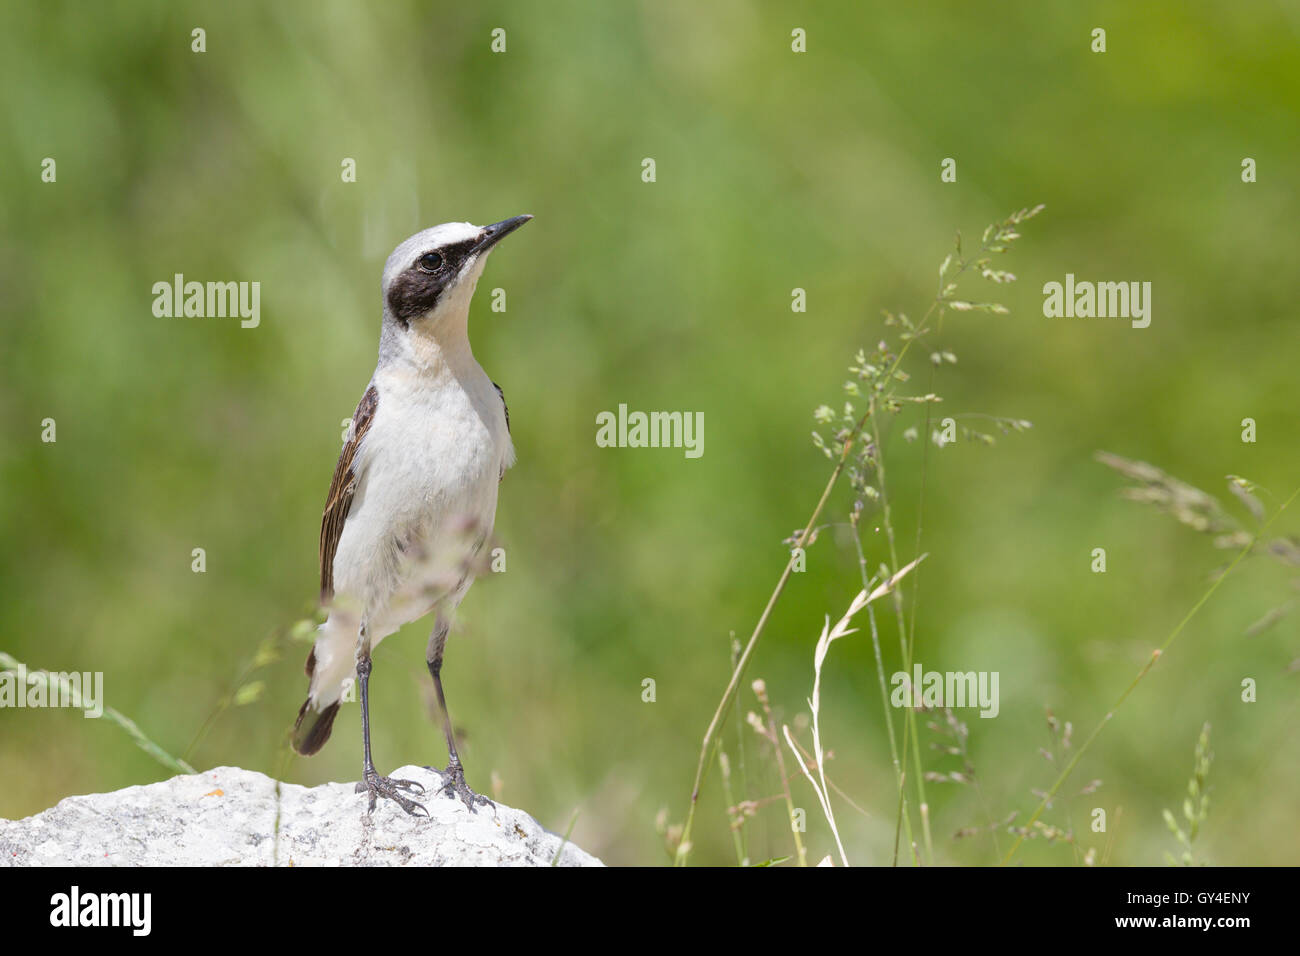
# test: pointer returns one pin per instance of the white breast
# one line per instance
(428, 471)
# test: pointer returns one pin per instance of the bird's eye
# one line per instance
(431, 262)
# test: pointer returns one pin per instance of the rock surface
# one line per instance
(234, 817)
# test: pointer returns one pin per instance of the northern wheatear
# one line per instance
(417, 479)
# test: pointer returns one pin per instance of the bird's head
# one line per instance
(431, 276)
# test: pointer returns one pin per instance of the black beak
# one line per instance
(497, 231)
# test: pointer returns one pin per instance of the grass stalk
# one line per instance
(1146, 668)
(115, 716)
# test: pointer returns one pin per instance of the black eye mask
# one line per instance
(417, 290)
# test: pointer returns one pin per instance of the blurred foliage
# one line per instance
(775, 170)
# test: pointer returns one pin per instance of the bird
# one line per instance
(414, 494)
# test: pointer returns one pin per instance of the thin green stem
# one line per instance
(909, 726)
(734, 825)
(906, 817)
(800, 852)
(740, 752)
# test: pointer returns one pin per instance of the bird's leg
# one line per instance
(371, 781)
(455, 773)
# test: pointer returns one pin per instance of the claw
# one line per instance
(377, 786)
(457, 787)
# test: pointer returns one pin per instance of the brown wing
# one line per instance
(342, 489)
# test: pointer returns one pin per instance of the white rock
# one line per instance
(234, 817)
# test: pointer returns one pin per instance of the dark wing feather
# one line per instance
(503, 405)
(342, 488)
(501, 477)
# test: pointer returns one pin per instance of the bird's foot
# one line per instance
(378, 786)
(457, 787)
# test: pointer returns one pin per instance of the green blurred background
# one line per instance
(775, 170)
